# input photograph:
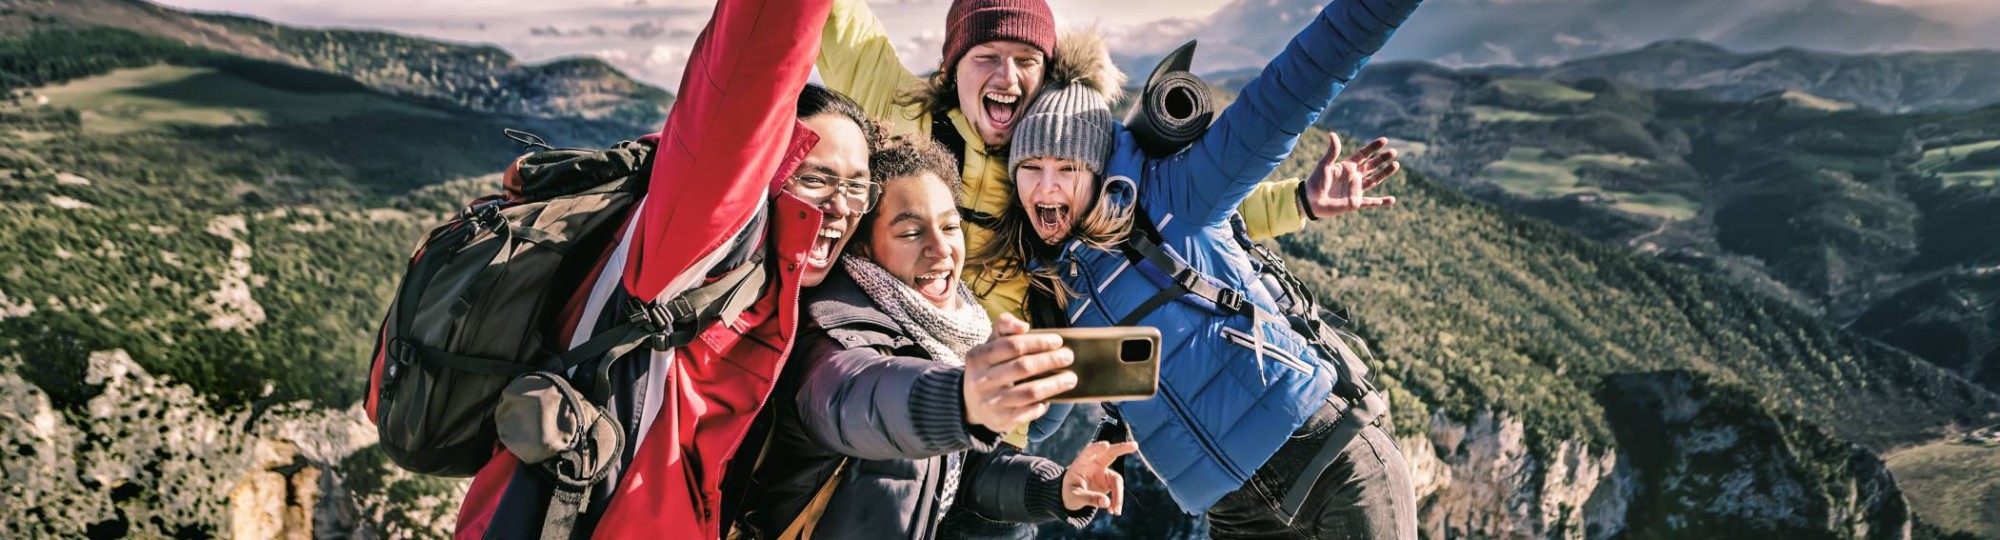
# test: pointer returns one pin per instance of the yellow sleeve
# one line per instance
(856, 58)
(1272, 210)
(1017, 438)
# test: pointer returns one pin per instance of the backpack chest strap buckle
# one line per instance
(1225, 299)
(402, 351)
(1230, 300)
(648, 316)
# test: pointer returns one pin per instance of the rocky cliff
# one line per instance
(146, 456)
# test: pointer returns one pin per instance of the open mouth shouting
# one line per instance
(1000, 108)
(937, 286)
(1051, 220)
(824, 247)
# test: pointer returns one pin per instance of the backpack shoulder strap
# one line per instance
(670, 324)
(1144, 245)
(946, 134)
(803, 526)
(1302, 315)
(1043, 309)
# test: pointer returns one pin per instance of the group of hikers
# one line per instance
(882, 381)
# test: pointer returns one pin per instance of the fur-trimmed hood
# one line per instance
(1081, 57)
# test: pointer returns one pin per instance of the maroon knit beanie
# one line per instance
(972, 22)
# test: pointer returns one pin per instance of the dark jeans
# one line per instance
(1364, 494)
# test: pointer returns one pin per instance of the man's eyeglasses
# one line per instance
(861, 195)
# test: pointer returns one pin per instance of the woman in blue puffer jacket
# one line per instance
(1246, 426)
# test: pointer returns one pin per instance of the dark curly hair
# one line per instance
(904, 157)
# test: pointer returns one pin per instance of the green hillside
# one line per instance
(1952, 316)
(227, 232)
(1472, 307)
(236, 226)
(1827, 206)
(1961, 481)
(1881, 223)
(1891, 82)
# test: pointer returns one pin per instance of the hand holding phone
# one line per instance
(1113, 363)
(1009, 379)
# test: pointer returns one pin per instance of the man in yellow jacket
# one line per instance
(992, 68)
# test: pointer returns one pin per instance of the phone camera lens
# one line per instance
(1135, 350)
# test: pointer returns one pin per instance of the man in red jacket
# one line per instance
(731, 142)
(746, 167)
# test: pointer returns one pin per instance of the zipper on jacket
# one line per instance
(784, 353)
(697, 484)
(1283, 356)
(1093, 302)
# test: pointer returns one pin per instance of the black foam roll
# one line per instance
(1174, 110)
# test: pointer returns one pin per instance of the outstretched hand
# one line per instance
(1337, 185)
(1090, 480)
(1002, 389)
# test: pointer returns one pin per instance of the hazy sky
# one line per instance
(646, 38)
(649, 39)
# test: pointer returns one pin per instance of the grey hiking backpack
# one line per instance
(481, 303)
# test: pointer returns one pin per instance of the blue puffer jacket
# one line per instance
(1232, 389)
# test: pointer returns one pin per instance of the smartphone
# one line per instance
(1113, 363)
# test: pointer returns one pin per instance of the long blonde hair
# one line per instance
(1005, 257)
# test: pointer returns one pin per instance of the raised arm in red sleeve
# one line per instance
(727, 133)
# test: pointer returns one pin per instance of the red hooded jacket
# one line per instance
(731, 139)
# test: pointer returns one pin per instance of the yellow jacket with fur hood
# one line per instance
(856, 58)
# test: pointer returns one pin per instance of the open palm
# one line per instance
(1338, 186)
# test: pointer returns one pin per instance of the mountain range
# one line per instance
(1888, 82)
(1462, 33)
(478, 78)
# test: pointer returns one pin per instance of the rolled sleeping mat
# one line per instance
(1174, 109)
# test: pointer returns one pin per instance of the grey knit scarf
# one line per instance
(945, 334)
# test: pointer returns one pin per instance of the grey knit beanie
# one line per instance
(1071, 121)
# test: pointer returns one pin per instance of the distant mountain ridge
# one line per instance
(1889, 82)
(1464, 33)
(475, 77)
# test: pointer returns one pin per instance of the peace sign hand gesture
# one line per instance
(1090, 480)
(1337, 185)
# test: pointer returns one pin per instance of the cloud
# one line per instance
(646, 30)
(666, 56)
(644, 38)
(552, 31)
